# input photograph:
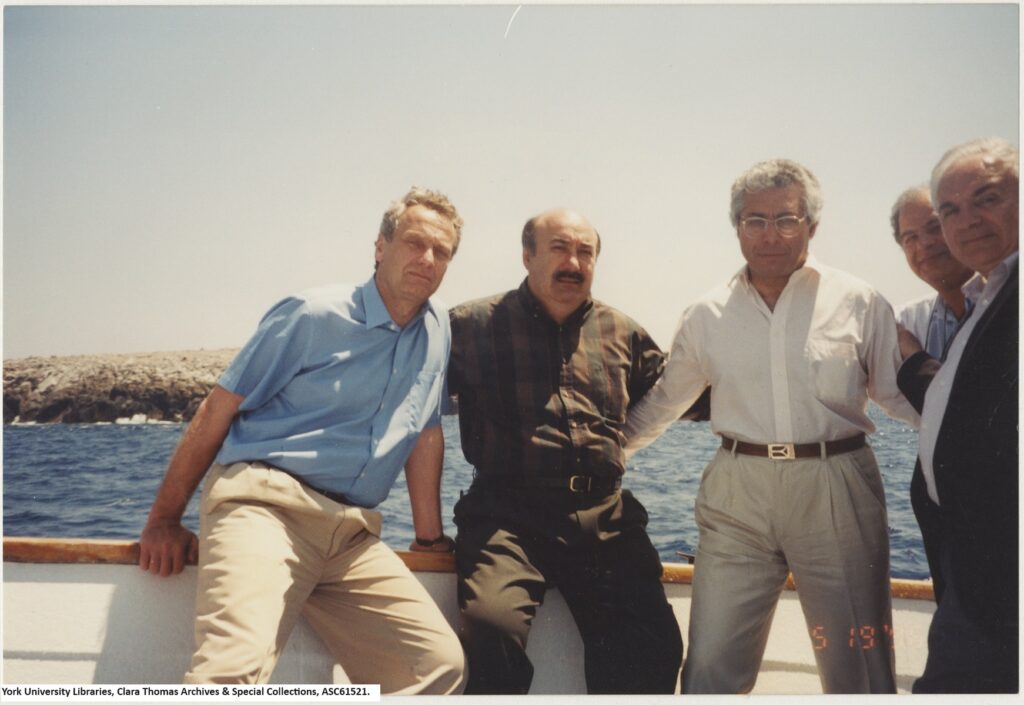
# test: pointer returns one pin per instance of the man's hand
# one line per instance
(165, 544)
(444, 544)
(907, 342)
(165, 547)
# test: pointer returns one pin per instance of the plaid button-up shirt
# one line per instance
(541, 399)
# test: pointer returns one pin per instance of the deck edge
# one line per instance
(122, 552)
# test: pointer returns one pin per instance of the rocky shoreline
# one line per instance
(165, 386)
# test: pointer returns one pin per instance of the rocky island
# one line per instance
(166, 386)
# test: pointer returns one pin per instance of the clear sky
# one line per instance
(170, 172)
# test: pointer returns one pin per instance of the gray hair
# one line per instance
(417, 196)
(996, 152)
(777, 173)
(905, 197)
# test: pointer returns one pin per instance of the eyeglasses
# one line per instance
(785, 225)
(911, 237)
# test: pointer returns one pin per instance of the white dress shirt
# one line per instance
(937, 396)
(799, 374)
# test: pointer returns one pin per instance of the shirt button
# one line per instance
(572, 424)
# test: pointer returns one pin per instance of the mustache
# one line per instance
(567, 276)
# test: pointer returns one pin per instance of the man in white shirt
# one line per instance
(965, 492)
(792, 350)
(933, 319)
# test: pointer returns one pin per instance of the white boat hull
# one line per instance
(110, 623)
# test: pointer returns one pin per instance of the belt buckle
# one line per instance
(573, 487)
(781, 451)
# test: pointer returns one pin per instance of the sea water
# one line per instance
(98, 480)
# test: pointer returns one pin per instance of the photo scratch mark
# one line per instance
(512, 19)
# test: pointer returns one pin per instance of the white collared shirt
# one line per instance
(937, 397)
(799, 374)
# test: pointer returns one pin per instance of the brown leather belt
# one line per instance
(791, 451)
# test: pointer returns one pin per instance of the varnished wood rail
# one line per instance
(54, 550)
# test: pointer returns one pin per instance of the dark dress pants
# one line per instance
(513, 546)
(967, 655)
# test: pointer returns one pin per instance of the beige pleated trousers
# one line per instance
(270, 549)
(822, 519)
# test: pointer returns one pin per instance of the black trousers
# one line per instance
(967, 655)
(512, 546)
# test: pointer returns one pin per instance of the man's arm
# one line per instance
(908, 342)
(648, 364)
(165, 544)
(679, 386)
(423, 477)
(916, 375)
(882, 360)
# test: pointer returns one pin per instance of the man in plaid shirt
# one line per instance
(544, 376)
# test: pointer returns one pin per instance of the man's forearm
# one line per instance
(194, 454)
(423, 476)
(165, 545)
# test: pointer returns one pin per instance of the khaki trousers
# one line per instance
(270, 549)
(825, 521)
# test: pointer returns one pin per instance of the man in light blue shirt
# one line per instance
(932, 319)
(334, 390)
(307, 430)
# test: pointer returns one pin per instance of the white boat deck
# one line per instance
(113, 623)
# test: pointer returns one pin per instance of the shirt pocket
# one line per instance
(838, 378)
(607, 386)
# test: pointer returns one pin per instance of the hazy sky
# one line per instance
(170, 172)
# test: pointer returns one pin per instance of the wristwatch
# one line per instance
(430, 542)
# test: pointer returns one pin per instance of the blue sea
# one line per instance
(97, 481)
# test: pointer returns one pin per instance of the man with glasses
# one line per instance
(792, 350)
(932, 319)
(966, 494)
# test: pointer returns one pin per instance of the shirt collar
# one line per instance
(1009, 263)
(532, 305)
(811, 264)
(972, 287)
(1001, 273)
(377, 313)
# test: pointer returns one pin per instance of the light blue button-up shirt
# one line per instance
(335, 392)
(932, 322)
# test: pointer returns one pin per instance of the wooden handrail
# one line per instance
(51, 550)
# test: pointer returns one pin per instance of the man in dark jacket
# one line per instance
(965, 488)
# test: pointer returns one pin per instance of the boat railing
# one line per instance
(63, 550)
